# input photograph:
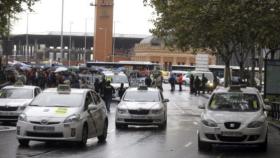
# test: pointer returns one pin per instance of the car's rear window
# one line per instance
(234, 101)
(142, 96)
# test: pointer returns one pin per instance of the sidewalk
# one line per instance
(274, 123)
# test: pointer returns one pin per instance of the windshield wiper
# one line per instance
(33, 105)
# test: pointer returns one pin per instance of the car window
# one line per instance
(52, 99)
(88, 100)
(17, 93)
(96, 98)
(234, 102)
(142, 96)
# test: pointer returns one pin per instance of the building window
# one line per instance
(179, 63)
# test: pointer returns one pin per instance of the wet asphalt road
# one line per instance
(179, 140)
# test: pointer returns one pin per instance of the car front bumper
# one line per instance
(150, 119)
(58, 132)
(243, 135)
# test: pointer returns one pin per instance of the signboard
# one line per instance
(201, 61)
(272, 77)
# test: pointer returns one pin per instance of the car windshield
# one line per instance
(209, 76)
(57, 100)
(241, 102)
(16, 93)
(141, 96)
(119, 79)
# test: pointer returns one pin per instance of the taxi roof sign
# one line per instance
(142, 88)
(63, 89)
(19, 83)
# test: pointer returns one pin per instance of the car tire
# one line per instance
(23, 142)
(203, 146)
(120, 126)
(263, 146)
(163, 125)
(102, 138)
(84, 138)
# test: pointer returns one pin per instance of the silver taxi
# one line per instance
(14, 99)
(142, 106)
(234, 115)
(63, 114)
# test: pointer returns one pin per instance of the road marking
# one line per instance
(182, 111)
(111, 131)
(189, 144)
(195, 123)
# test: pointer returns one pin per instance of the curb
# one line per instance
(274, 124)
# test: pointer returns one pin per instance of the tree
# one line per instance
(8, 10)
(225, 26)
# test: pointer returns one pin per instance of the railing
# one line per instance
(275, 110)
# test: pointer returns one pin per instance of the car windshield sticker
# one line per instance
(61, 111)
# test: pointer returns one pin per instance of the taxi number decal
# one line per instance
(61, 111)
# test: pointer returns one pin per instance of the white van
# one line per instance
(209, 75)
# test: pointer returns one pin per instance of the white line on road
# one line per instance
(195, 123)
(189, 144)
(179, 108)
(111, 131)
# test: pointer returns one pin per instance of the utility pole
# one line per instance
(61, 33)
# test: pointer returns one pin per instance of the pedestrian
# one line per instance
(191, 84)
(180, 81)
(158, 82)
(172, 81)
(97, 85)
(83, 83)
(148, 81)
(121, 90)
(108, 94)
(102, 85)
(215, 82)
(197, 83)
(204, 80)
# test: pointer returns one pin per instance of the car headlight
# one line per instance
(209, 123)
(210, 84)
(22, 117)
(122, 111)
(255, 124)
(72, 118)
(156, 111)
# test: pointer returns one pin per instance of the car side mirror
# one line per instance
(267, 107)
(92, 107)
(165, 100)
(201, 106)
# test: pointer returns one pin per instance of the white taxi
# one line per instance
(14, 99)
(234, 115)
(142, 106)
(63, 114)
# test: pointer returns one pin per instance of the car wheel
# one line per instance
(120, 126)
(84, 138)
(102, 138)
(23, 142)
(263, 146)
(163, 125)
(203, 146)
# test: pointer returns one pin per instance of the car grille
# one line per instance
(138, 120)
(49, 123)
(5, 108)
(139, 112)
(48, 135)
(9, 117)
(232, 139)
(232, 125)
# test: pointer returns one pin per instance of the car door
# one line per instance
(100, 112)
(89, 115)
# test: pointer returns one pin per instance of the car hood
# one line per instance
(225, 116)
(118, 85)
(14, 102)
(50, 112)
(139, 105)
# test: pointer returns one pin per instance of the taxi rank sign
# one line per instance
(272, 77)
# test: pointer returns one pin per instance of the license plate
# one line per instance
(43, 128)
(139, 117)
(232, 134)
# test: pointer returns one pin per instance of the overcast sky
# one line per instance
(130, 16)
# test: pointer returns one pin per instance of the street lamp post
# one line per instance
(114, 40)
(26, 38)
(70, 45)
(61, 33)
(85, 51)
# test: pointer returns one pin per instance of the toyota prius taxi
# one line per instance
(234, 115)
(14, 99)
(63, 114)
(142, 106)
